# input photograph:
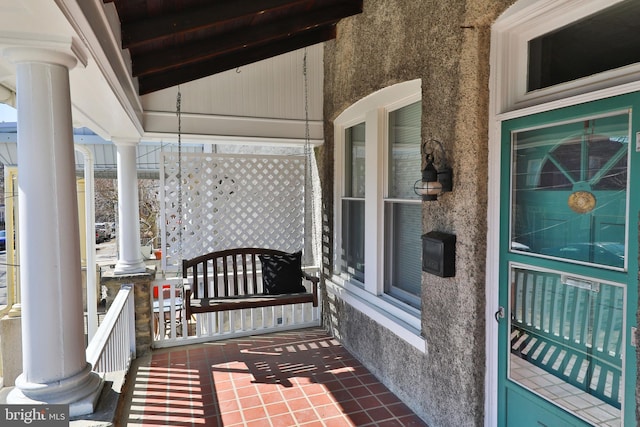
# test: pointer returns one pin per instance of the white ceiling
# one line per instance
(260, 102)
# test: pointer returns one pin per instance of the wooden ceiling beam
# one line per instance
(239, 40)
(169, 25)
(158, 81)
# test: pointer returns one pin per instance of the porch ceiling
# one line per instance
(173, 42)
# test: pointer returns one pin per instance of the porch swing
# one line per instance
(248, 277)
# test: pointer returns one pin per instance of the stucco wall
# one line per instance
(446, 44)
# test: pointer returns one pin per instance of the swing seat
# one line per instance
(234, 279)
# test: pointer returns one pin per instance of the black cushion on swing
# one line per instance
(281, 273)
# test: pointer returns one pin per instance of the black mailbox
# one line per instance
(439, 253)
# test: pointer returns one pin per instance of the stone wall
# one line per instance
(446, 44)
(142, 301)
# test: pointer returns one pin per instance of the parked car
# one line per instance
(517, 246)
(101, 234)
(605, 253)
(3, 240)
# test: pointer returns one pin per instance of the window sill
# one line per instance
(401, 319)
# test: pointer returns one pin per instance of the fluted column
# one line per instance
(129, 256)
(55, 370)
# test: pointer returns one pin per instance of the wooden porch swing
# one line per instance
(240, 278)
(236, 283)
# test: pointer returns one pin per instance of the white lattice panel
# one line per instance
(231, 200)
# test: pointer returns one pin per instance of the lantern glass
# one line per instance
(429, 188)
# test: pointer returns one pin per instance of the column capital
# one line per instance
(120, 141)
(66, 52)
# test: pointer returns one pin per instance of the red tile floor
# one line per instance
(295, 378)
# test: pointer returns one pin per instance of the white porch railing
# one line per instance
(114, 345)
(172, 328)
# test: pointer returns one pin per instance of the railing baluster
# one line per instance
(207, 326)
(107, 350)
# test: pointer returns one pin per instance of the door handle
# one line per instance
(499, 314)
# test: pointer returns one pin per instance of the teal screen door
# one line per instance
(568, 266)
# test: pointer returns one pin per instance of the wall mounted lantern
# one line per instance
(433, 182)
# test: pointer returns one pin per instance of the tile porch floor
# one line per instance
(295, 378)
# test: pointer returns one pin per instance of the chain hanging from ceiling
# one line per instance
(180, 177)
(310, 228)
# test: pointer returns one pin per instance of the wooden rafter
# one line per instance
(153, 82)
(172, 42)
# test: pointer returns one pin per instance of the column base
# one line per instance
(80, 392)
(10, 349)
(15, 311)
(129, 267)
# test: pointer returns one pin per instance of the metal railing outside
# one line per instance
(114, 345)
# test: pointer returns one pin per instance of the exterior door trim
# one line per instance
(499, 110)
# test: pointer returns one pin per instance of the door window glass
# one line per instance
(569, 190)
(566, 336)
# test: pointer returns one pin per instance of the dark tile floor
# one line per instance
(296, 378)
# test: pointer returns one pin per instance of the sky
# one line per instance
(8, 113)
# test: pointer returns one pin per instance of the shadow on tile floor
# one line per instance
(295, 378)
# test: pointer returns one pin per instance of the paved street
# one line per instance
(107, 252)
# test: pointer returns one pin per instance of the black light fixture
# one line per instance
(433, 182)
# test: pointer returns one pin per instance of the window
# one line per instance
(570, 190)
(600, 42)
(352, 259)
(402, 209)
(559, 49)
(377, 215)
(402, 215)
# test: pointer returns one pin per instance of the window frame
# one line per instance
(369, 296)
(511, 38)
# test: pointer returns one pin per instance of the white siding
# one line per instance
(264, 99)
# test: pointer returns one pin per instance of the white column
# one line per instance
(130, 257)
(55, 370)
(90, 235)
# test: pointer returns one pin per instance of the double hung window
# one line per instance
(379, 216)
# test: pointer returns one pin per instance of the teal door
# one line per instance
(568, 265)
